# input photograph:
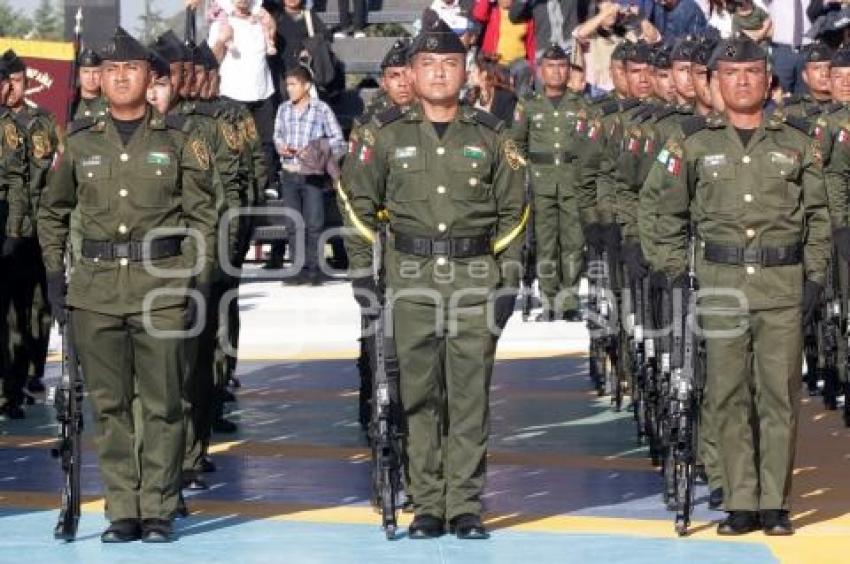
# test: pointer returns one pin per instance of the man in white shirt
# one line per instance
(790, 26)
(239, 45)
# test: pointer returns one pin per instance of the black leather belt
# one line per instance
(766, 256)
(550, 158)
(135, 251)
(456, 247)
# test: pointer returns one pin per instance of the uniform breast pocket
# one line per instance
(781, 186)
(470, 176)
(719, 192)
(94, 178)
(155, 187)
(405, 180)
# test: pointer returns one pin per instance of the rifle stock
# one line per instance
(68, 402)
(386, 430)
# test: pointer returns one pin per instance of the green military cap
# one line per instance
(841, 58)
(817, 53)
(208, 59)
(124, 47)
(737, 50)
(660, 58)
(555, 53)
(13, 62)
(639, 52)
(683, 49)
(437, 37)
(170, 48)
(159, 65)
(88, 58)
(396, 56)
(4, 71)
(620, 51)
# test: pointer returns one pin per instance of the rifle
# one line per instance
(602, 322)
(529, 258)
(686, 388)
(68, 402)
(828, 332)
(386, 430)
(74, 100)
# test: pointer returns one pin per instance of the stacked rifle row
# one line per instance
(643, 346)
(827, 343)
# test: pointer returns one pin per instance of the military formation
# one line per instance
(710, 226)
(713, 234)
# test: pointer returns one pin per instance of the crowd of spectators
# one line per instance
(263, 44)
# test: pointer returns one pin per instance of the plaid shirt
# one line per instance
(297, 130)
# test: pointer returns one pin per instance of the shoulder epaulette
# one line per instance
(793, 99)
(644, 113)
(175, 121)
(833, 107)
(663, 112)
(489, 120)
(799, 123)
(388, 116)
(609, 107)
(80, 124)
(23, 120)
(598, 99)
(693, 125)
(629, 103)
(206, 109)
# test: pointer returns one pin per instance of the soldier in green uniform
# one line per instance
(14, 204)
(451, 184)
(139, 182)
(90, 102)
(817, 57)
(750, 188)
(222, 137)
(396, 91)
(551, 129)
(32, 311)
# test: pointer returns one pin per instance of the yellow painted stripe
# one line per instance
(55, 50)
(502, 244)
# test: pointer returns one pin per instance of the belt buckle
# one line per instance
(441, 247)
(751, 256)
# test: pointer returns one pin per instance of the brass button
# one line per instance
(441, 150)
(714, 174)
(748, 198)
(95, 260)
(124, 262)
(557, 145)
(90, 175)
(87, 113)
(746, 159)
(751, 233)
(557, 162)
(122, 192)
(441, 261)
(536, 173)
(125, 157)
(404, 165)
(555, 114)
(442, 227)
(122, 229)
(158, 172)
(557, 129)
(751, 270)
(473, 182)
(441, 189)
(474, 165)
